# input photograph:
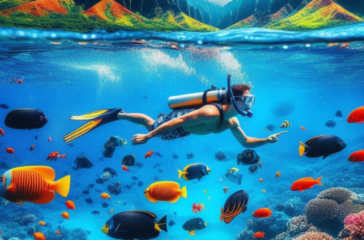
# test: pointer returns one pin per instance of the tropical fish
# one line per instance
(261, 179)
(258, 235)
(264, 191)
(10, 150)
(165, 191)
(148, 154)
(42, 223)
(111, 211)
(125, 168)
(356, 116)
(39, 236)
(262, 213)
(321, 146)
(330, 124)
(226, 190)
(65, 215)
(70, 205)
(4, 106)
(270, 127)
(305, 183)
(205, 191)
(285, 124)
(25, 118)
(197, 207)
(58, 232)
(357, 156)
(194, 171)
(105, 196)
(32, 148)
(194, 224)
(237, 203)
(33, 184)
(232, 170)
(303, 128)
(338, 113)
(134, 225)
(233, 176)
(248, 157)
(128, 160)
(2, 133)
(49, 139)
(278, 174)
(18, 81)
(53, 156)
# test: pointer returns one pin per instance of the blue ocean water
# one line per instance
(69, 74)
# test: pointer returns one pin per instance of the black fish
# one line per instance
(248, 157)
(128, 160)
(91, 185)
(140, 183)
(237, 203)
(82, 162)
(160, 170)
(36, 136)
(100, 181)
(171, 223)
(157, 154)
(105, 205)
(134, 225)
(190, 155)
(220, 156)
(25, 118)
(330, 124)
(111, 171)
(86, 192)
(253, 168)
(4, 106)
(128, 187)
(321, 146)
(338, 113)
(95, 212)
(134, 178)
(194, 224)
(270, 127)
(89, 201)
(175, 156)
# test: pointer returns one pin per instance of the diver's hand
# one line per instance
(274, 138)
(139, 139)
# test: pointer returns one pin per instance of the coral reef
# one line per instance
(320, 210)
(314, 236)
(354, 223)
(27, 219)
(339, 195)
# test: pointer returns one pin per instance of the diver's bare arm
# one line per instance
(196, 117)
(245, 141)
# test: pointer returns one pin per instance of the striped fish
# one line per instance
(285, 124)
(33, 184)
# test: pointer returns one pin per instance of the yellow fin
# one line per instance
(192, 233)
(62, 186)
(156, 226)
(47, 172)
(301, 149)
(150, 198)
(205, 223)
(45, 198)
(181, 173)
(183, 192)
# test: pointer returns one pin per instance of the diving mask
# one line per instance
(244, 103)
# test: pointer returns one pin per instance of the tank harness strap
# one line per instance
(204, 97)
(219, 107)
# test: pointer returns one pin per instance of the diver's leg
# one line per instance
(137, 118)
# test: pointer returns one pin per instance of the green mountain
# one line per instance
(316, 15)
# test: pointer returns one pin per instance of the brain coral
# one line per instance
(339, 195)
(314, 236)
(318, 210)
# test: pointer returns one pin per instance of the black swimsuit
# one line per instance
(179, 132)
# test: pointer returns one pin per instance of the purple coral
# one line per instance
(354, 223)
(314, 236)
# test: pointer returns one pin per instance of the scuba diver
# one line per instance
(213, 111)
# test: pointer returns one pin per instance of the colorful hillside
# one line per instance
(317, 14)
(39, 8)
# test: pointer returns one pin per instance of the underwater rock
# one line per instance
(314, 236)
(220, 156)
(283, 109)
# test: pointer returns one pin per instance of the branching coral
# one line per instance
(354, 223)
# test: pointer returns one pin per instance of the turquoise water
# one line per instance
(72, 75)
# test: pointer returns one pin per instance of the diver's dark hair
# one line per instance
(239, 89)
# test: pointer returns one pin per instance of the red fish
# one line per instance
(125, 168)
(357, 156)
(49, 139)
(53, 156)
(148, 154)
(32, 148)
(71, 205)
(62, 156)
(58, 232)
(10, 150)
(303, 128)
(65, 215)
(262, 213)
(258, 235)
(2, 133)
(356, 116)
(197, 207)
(305, 183)
(19, 81)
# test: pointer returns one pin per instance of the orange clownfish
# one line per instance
(305, 183)
(105, 196)
(2, 133)
(70, 205)
(10, 150)
(39, 236)
(125, 168)
(356, 116)
(262, 213)
(258, 235)
(65, 215)
(33, 184)
(148, 154)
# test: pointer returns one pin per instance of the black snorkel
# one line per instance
(230, 99)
